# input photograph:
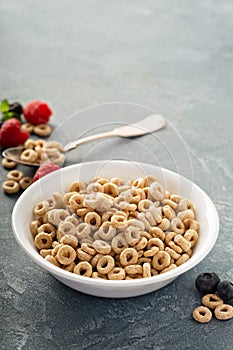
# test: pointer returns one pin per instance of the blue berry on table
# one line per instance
(207, 282)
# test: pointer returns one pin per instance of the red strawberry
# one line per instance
(11, 135)
(37, 112)
(45, 169)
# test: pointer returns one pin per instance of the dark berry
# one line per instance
(207, 282)
(225, 290)
(16, 107)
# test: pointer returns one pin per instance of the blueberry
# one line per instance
(16, 107)
(225, 290)
(207, 282)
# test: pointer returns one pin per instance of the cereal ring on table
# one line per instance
(47, 228)
(83, 230)
(173, 254)
(88, 248)
(132, 235)
(82, 255)
(146, 270)
(155, 242)
(34, 225)
(59, 216)
(182, 259)
(133, 269)
(182, 242)
(93, 220)
(41, 208)
(28, 127)
(98, 276)
(10, 186)
(28, 155)
(43, 240)
(25, 182)
(192, 224)
(186, 214)
(83, 268)
(69, 240)
(67, 228)
(161, 260)
(117, 273)
(107, 231)
(8, 164)
(169, 268)
(156, 232)
(15, 175)
(223, 312)
(66, 255)
(177, 226)
(42, 130)
(191, 236)
(118, 243)
(202, 314)
(102, 247)
(164, 224)
(45, 252)
(211, 300)
(77, 186)
(156, 191)
(69, 267)
(111, 189)
(168, 212)
(128, 256)
(119, 221)
(145, 205)
(105, 264)
(141, 244)
(52, 260)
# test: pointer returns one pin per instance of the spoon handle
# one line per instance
(147, 125)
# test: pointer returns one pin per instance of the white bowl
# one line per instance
(60, 180)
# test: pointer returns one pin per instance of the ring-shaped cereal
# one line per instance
(168, 212)
(145, 205)
(30, 144)
(156, 191)
(41, 208)
(155, 242)
(73, 219)
(102, 247)
(43, 240)
(211, 301)
(77, 186)
(59, 216)
(177, 226)
(54, 144)
(88, 248)
(156, 232)
(105, 264)
(95, 187)
(83, 230)
(164, 224)
(182, 259)
(70, 240)
(191, 236)
(69, 267)
(10, 186)
(132, 235)
(42, 130)
(185, 204)
(34, 225)
(93, 219)
(28, 127)
(25, 182)
(8, 164)
(128, 256)
(28, 155)
(151, 252)
(83, 268)
(161, 260)
(141, 244)
(52, 260)
(202, 314)
(192, 224)
(99, 276)
(111, 189)
(67, 228)
(183, 243)
(146, 270)
(117, 273)
(66, 254)
(47, 228)
(82, 255)
(107, 231)
(118, 243)
(223, 312)
(15, 175)
(134, 269)
(172, 266)
(186, 214)
(119, 221)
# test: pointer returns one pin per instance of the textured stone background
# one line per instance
(173, 56)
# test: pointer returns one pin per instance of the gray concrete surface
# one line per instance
(172, 56)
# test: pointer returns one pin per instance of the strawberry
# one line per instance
(37, 112)
(11, 135)
(45, 169)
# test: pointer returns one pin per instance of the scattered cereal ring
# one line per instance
(27, 127)
(211, 300)
(42, 130)
(223, 312)
(15, 175)
(202, 314)
(105, 264)
(10, 186)
(83, 268)
(25, 182)
(66, 255)
(117, 273)
(8, 164)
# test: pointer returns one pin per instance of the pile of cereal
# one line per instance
(115, 229)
